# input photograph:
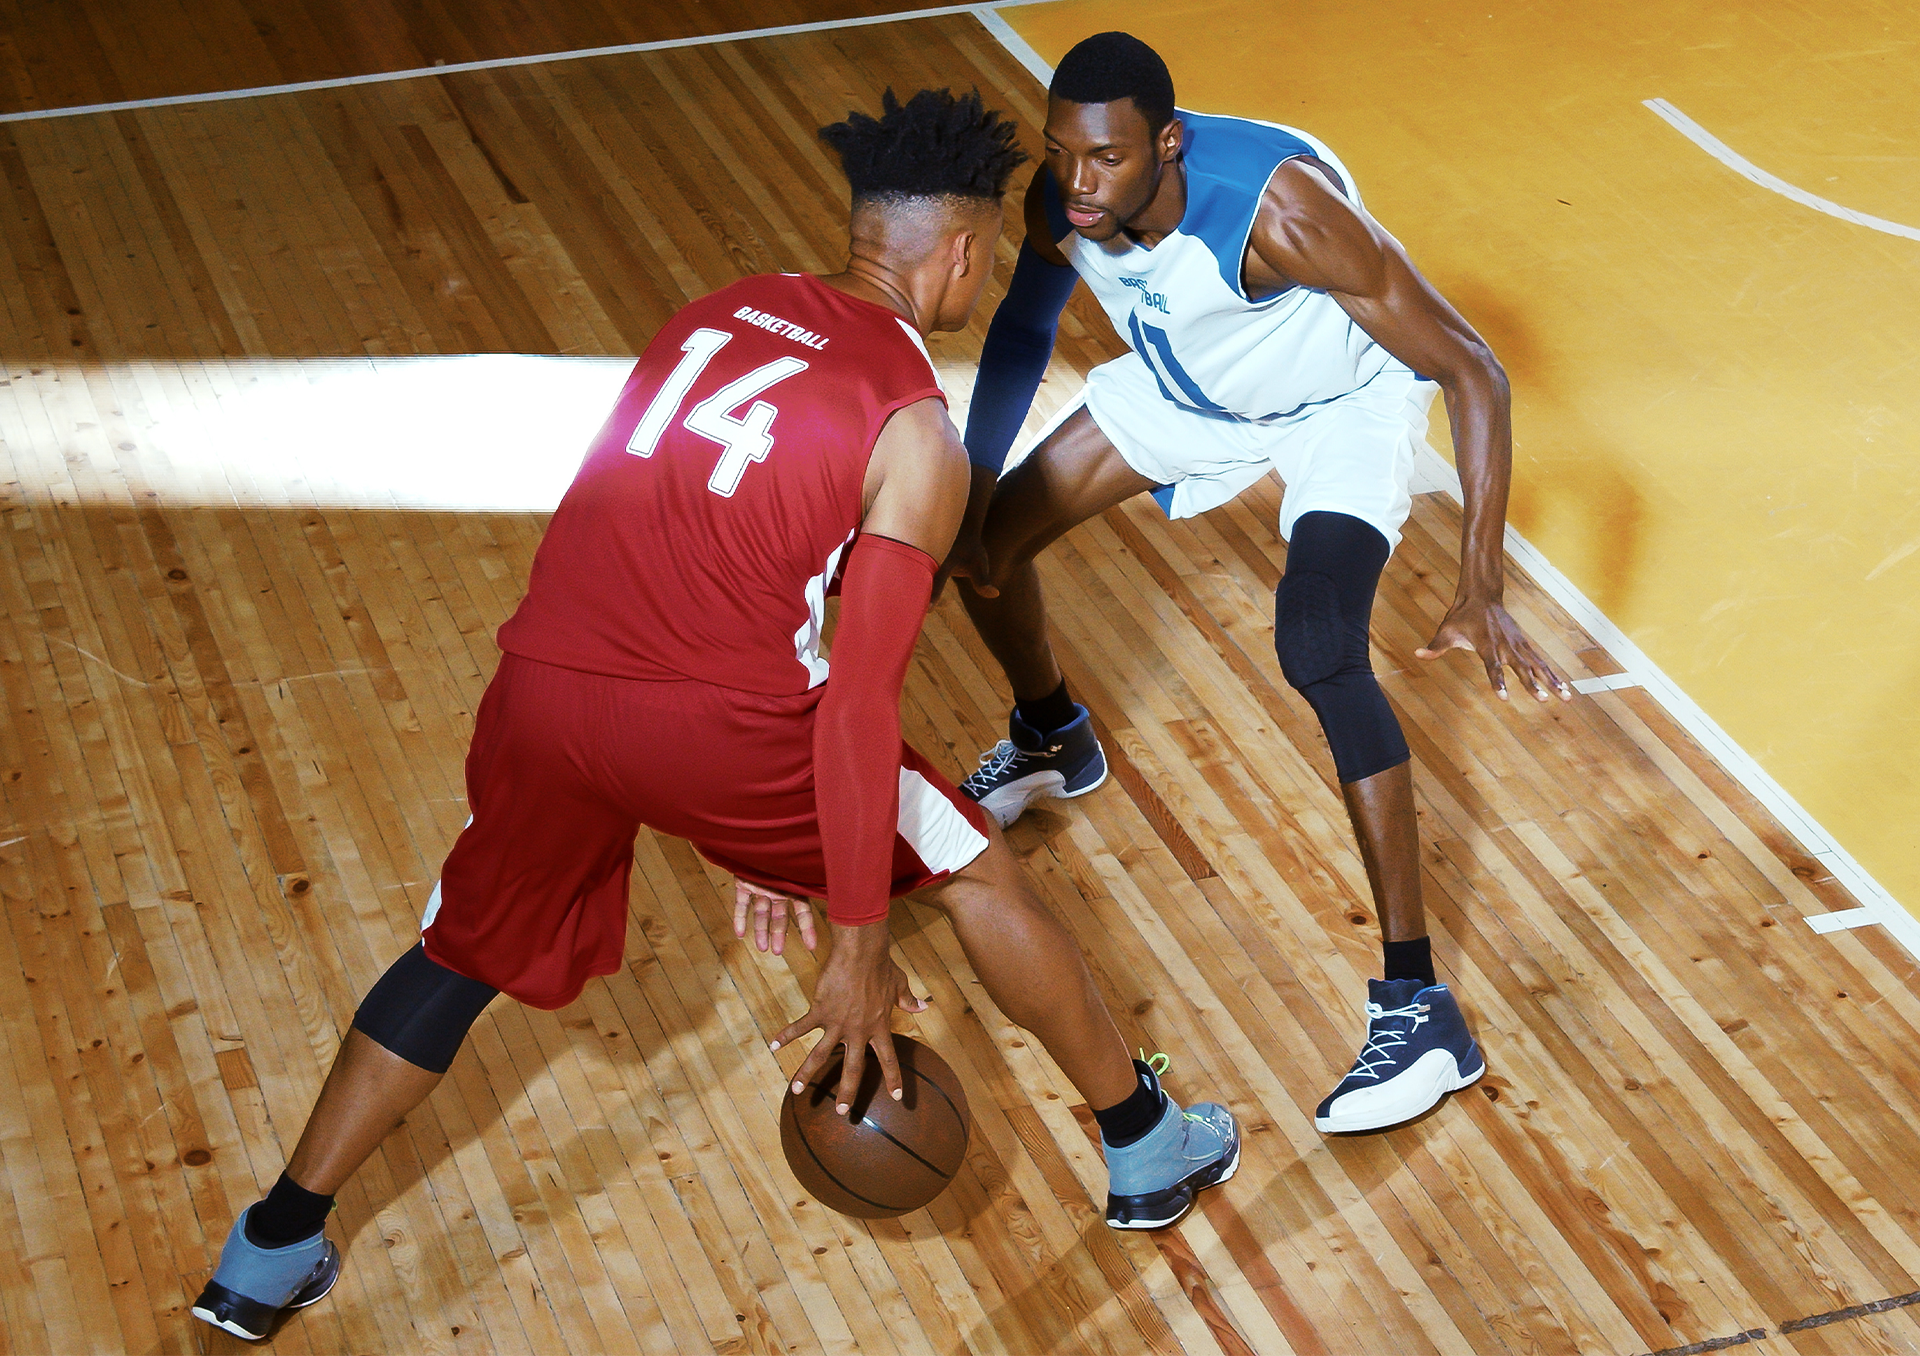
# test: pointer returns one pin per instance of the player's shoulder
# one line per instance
(1233, 158)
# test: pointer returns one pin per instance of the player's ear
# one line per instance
(1172, 137)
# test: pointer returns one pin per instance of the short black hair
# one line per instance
(936, 145)
(1109, 66)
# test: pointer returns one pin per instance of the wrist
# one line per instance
(859, 943)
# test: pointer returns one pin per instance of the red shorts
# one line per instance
(564, 769)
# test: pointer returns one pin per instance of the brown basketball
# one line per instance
(883, 1158)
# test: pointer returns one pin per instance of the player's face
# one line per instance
(1107, 161)
(983, 223)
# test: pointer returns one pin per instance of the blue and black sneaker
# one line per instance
(1152, 1181)
(1028, 765)
(253, 1286)
(1418, 1050)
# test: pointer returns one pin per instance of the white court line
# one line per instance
(982, 12)
(1612, 682)
(1744, 167)
(1841, 920)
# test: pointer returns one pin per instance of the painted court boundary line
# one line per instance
(1878, 905)
(1744, 167)
(982, 12)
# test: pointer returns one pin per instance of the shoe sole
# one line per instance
(1182, 1194)
(1453, 1082)
(1041, 786)
(224, 1308)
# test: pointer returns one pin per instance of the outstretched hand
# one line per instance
(771, 910)
(853, 1003)
(1488, 630)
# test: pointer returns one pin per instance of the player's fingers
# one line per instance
(1497, 675)
(889, 1064)
(740, 898)
(850, 1073)
(776, 923)
(794, 1030)
(809, 933)
(817, 1059)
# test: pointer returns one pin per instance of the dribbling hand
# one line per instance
(853, 1002)
(771, 910)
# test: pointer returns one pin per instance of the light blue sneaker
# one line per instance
(1028, 765)
(253, 1286)
(1152, 1182)
(1418, 1050)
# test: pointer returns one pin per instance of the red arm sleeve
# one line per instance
(856, 732)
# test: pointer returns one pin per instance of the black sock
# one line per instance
(1125, 1122)
(1049, 713)
(1410, 960)
(289, 1214)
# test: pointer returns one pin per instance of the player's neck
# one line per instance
(1164, 211)
(871, 280)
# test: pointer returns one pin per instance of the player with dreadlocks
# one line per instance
(779, 436)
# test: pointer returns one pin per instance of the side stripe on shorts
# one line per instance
(939, 834)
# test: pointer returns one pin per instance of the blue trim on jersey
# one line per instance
(1229, 161)
(1163, 496)
(1055, 209)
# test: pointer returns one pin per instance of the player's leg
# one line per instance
(404, 1037)
(1418, 1048)
(1074, 475)
(532, 897)
(1158, 1153)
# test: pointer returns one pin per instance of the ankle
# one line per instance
(1046, 714)
(1410, 959)
(289, 1214)
(1133, 1118)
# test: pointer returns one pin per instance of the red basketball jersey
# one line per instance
(701, 536)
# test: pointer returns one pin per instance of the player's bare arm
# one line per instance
(1308, 234)
(915, 492)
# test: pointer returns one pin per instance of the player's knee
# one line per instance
(422, 1011)
(1310, 635)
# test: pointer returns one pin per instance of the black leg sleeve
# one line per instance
(1321, 613)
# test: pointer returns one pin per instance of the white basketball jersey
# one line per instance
(1182, 305)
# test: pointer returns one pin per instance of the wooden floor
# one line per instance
(236, 713)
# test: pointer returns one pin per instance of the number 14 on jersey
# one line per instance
(746, 438)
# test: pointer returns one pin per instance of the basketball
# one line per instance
(883, 1158)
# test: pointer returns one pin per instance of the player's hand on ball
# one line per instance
(1488, 630)
(771, 911)
(853, 1003)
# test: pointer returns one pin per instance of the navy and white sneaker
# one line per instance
(253, 1286)
(1028, 765)
(1152, 1182)
(1418, 1050)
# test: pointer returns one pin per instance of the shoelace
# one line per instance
(1382, 1042)
(1158, 1063)
(997, 760)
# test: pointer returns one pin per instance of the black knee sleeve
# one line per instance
(1321, 612)
(422, 1011)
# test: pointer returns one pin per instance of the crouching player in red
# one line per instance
(665, 669)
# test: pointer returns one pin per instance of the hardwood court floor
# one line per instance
(238, 699)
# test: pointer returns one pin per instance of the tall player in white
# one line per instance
(1274, 326)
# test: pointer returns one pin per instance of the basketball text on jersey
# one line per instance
(1148, 297)
(786, 329)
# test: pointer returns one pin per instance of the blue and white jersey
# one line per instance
(1182, 304)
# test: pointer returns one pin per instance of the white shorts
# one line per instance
(1352, 455)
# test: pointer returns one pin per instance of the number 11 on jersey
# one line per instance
(746, 438)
